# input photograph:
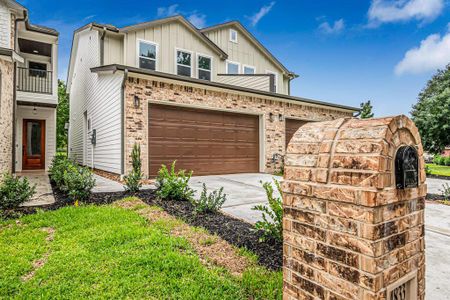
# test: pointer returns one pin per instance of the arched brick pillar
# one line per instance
(349, 233)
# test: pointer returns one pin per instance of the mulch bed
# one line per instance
(235, 231)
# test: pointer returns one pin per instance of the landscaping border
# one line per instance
(438, 176)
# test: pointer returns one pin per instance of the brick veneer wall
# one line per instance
(6, 113)
(348, 232)
(136, 120)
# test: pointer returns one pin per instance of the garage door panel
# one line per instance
(208, 142)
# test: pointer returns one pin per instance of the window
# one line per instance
(204, 67)
(184, 63)
(147, 55)
(232, 67)
(275, 80)
(233, 36)
(37, 69)
(249, 70)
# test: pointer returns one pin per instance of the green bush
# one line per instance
(78, 183)
(211, 202)
(447, 160)
(133, 180)
(74, 180)
(14, 191)
(174, 185)
(427, 170)
(441, 160)
(445, 191)
(272, 223)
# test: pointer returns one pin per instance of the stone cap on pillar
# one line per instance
(352, 160)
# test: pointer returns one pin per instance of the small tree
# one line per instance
(366, 110)
(62, 115)
(133, 180)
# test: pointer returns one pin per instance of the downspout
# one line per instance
(14, 127)
(122, 117)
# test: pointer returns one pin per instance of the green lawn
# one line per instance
(105, 252)
(439, 170)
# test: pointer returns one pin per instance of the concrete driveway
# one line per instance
(244, 191)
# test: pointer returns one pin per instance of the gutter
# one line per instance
(16, 21)
(122, 121)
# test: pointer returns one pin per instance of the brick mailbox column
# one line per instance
(352, 228)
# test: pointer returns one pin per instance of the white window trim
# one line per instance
(198, 69)
(248, 66)
(276, 79)
(192, 60)
(138, 41)
(231, 39)
(232, 62)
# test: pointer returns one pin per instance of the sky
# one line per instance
(344, 51)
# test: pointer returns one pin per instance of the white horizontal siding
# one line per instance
(254, 82)
(99, 96)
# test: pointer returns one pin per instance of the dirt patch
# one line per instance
(39, 263)
(210, 248)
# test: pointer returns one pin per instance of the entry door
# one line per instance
(33, 152)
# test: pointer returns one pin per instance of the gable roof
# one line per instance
(252, 38)
(183, 21)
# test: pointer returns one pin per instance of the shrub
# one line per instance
(133, 180)
(447, 160)
(78, 183)
(438, 159)
(211, 202)
(14, 191)
(427, 170)
(74, 180)
(174, 185)
(272, 223)
(446, 191)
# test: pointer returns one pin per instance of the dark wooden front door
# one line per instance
(205, 141)
(33, 152)
(292, 125)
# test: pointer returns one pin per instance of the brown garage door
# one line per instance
(292, 126)
(205, 141)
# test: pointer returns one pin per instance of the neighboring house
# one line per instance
(28, 91)
(446, 151)
(215, 99)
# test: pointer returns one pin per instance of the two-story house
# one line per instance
(216, 100)
(28, 90)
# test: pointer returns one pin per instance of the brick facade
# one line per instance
(349, 233)
(6, 113)
(136, 119)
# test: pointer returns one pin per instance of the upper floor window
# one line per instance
(204, 67)
(232, 67)
(275, 80)
(184, 63)
(147, 55)
(37, 69)
(233, 36)
(249, 70)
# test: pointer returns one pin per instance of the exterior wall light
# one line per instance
(136, 101)
(271, 117)
(280, 117)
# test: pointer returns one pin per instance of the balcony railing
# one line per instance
(34, 81)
